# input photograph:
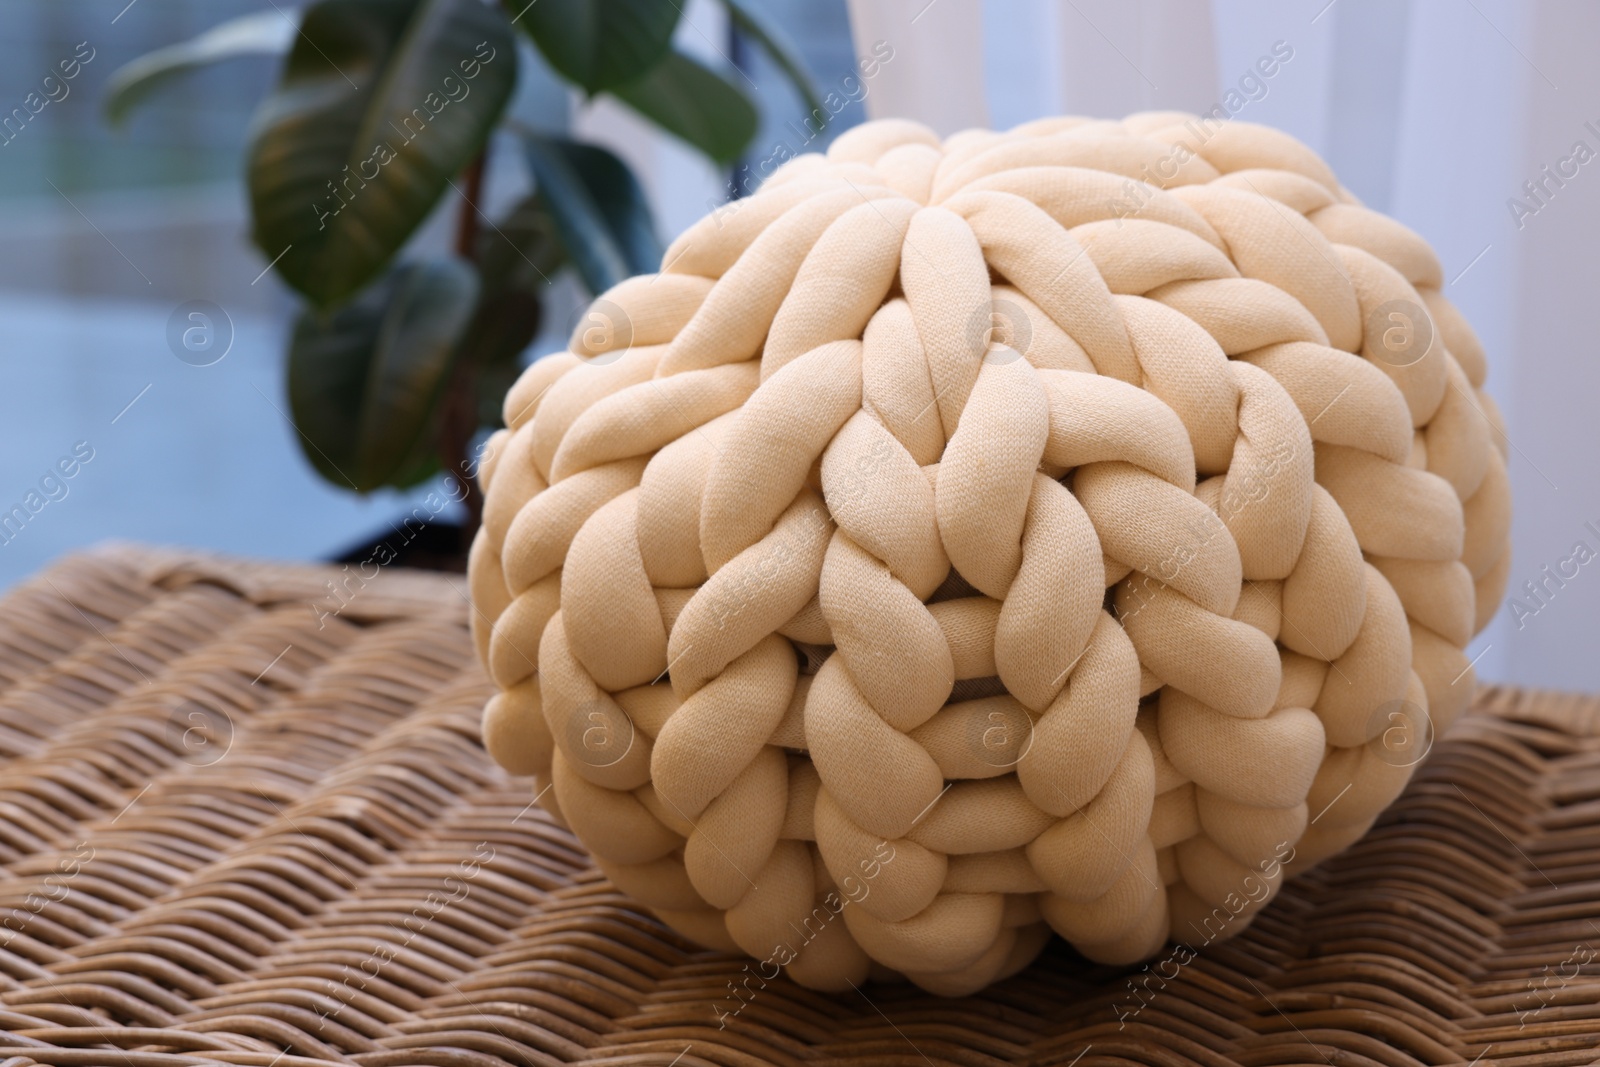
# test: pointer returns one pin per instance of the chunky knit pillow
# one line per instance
(1073, 528)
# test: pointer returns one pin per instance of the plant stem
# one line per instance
(459, 418)
(467, 217)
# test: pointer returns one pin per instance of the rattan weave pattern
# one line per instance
(236, 827)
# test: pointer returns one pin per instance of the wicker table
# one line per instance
(246, 820)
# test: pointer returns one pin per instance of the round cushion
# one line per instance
(1071, 529)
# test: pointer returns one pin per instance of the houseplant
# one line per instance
(383, 110)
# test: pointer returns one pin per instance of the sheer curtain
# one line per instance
(1435, 111)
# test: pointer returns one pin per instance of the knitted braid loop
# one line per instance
(1069, 529)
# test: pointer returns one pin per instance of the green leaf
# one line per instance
(381, 104)
(751, 21)
(598, 44)
(520, 250)
(695, 103)
(516, 259)
(365, 381)
(597, 208)
(262, 33)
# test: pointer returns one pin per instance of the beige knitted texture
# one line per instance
(1075, 528)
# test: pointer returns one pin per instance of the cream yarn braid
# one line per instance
(962, 540)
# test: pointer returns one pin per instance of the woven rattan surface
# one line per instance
(246, 820)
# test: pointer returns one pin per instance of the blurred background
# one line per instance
(1439, 112)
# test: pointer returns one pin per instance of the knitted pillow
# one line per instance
(1073, 528)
